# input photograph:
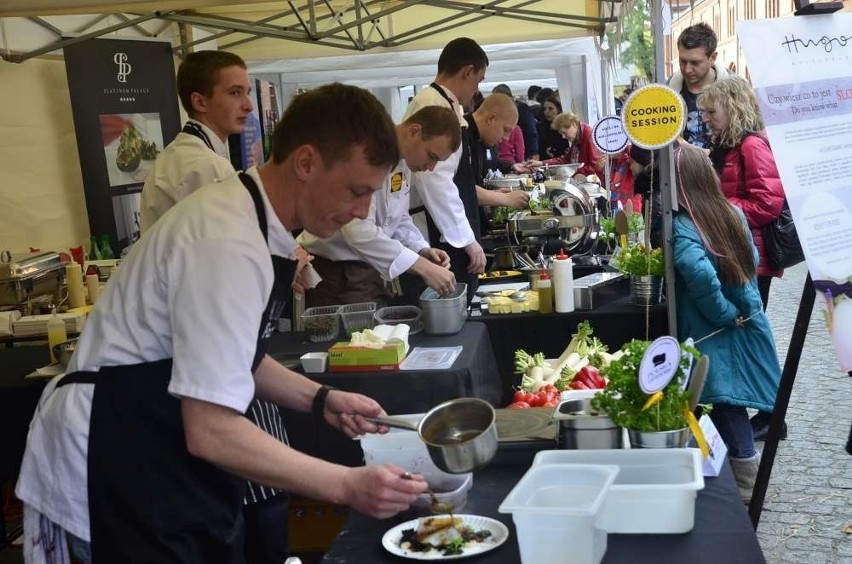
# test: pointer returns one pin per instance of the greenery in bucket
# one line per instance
(638, 260)
(628, 405)
(607, 234)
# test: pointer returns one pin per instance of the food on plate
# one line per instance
(444, 533)
(129, 153)
(149, 150)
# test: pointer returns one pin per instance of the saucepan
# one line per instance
(460, 434)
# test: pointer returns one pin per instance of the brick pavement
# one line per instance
(809, 499)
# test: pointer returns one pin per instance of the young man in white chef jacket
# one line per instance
(141, 450)
(215, 90)
(358, 261)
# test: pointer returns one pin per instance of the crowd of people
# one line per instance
(142, 450)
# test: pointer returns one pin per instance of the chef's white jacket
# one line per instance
(194, 289)
(387, 238)
(185, 165)
(435, 189)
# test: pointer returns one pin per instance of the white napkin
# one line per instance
(7, 321)
(380, 335)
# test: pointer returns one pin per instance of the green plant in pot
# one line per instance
(658, 419)
(645, 267)
(608, 234)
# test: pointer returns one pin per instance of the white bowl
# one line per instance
(314, 361)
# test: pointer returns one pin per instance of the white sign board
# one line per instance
(800, 69)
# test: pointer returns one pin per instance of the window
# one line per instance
(773, 8)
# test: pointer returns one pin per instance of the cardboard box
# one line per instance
(343, 358)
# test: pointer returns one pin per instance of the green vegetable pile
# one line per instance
(623, 399)
(638, 260)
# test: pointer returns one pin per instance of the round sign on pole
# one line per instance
(609, 135)
(659, 364)
(653, 116)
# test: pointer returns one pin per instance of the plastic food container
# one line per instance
(555, 508)
(394, 315)
(314, 361)
(357, 317)
(321, 323)
(448, 488)
(654, 491)
(444, 315)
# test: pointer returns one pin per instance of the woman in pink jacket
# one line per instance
(743, 159)
(581, 148)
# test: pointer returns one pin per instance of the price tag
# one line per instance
(659, 364)
(653, 116)
(609, 135)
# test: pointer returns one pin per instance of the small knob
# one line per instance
(551, 223)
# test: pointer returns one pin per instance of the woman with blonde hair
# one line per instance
(719, 306)
(746, 167)
(581, 147)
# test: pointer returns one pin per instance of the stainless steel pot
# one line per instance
(63, 351)
(460, 434)
(561, 172)
(580, 427)
(510, 182)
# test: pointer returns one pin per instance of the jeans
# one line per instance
(735, 429)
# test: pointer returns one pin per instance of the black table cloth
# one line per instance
(722, 532)
(473, 374)
(614, 323)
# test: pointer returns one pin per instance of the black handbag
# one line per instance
(781, 241)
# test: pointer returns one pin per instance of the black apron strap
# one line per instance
(192, 128)
(443, 95)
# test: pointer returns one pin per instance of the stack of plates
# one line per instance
(30, 325)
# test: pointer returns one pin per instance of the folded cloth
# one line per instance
(44, 540)
(7, 321)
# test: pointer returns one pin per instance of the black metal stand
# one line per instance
(785, 388)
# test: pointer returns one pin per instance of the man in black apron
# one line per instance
(448, 193)
(216, 93)
(164, 450)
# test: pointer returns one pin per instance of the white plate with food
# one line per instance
(440, 538)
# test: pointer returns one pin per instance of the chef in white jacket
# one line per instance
(448, 193)
(357, 263)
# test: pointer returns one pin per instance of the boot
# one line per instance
(760, 426)
(745, 472)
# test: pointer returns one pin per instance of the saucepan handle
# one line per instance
(393, 422)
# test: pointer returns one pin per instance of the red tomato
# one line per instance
(553, 396)
(577, 384)
(536, 400)
(520, 395)
(550, 404)
(518, 405)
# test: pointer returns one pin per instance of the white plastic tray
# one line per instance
(654, 491)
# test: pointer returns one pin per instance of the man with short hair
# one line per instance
(141, 450)
(214, 89)
(358, 262)
(696, 47)
(448, 193)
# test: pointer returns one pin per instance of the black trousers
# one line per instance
(266, 540)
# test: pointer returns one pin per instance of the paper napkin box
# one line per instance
(345, 358)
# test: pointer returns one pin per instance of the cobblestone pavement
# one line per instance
(809, 500)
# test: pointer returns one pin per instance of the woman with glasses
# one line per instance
(580, 147)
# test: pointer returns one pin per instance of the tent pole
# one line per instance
(666, 170)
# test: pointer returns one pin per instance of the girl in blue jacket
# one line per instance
(719, 306)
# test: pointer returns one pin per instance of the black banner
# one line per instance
(125, 108)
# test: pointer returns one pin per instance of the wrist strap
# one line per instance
(318, 406)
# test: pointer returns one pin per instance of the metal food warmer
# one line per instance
(27, 276)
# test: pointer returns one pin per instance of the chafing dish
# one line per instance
(510, 181)
(560, 172)
(23, 276)
(573, 218)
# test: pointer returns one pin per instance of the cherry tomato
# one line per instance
(518, 405)
(519, 395)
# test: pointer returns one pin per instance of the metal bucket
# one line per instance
(646, 290)
(662, 439)
(580, 427)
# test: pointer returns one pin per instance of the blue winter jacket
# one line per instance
(744, 369)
